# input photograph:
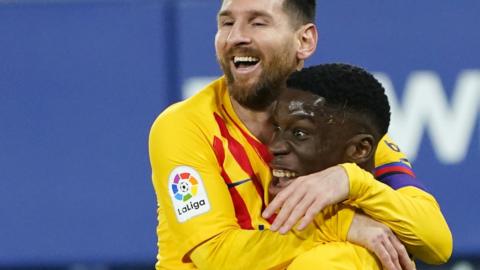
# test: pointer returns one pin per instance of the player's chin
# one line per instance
(284, 182)
(273, 190)
(279, 183)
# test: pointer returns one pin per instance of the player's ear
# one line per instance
(360, 149)
(307, 37)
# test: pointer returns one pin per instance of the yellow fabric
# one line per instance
(389, 152)
(338, 256)
(338, 218)
(411, 213)
(184, 135)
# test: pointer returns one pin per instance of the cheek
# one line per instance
(287, 45)
(329, 154)
(313, 157)
(306, 154)
(219, 40)
(271, 42)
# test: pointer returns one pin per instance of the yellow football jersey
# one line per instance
(211, 174)
(337, 256)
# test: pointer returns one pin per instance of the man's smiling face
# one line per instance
(256, 48)
(305, 139)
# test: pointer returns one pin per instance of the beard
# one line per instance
(261, 94)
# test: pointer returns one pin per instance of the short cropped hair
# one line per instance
(300, 11)
(348, 88)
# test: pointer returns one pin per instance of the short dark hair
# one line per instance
(300, 11)
(348, 88)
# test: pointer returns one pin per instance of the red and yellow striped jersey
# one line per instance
(210, 175)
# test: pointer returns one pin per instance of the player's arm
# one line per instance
(204, 225)
(412, 213)
(252, 249)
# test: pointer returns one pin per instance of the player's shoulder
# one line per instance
(389, 152)
(192, 112)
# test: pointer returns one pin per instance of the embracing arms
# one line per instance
(410, 212)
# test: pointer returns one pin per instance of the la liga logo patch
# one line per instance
(184, 186)
(188, 193)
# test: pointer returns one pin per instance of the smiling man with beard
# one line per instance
(210, 162)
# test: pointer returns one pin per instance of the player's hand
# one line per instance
(379, 239)
(306, 196)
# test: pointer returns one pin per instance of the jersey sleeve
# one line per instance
(199, 210)
(392, 166)
(410, 212)
(333, 223)
(270, 250)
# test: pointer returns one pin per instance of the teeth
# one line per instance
(278, 173)
(284, 173)
(237, 59)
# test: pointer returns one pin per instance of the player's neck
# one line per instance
(256, 121)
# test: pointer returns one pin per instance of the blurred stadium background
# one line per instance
(82, 80)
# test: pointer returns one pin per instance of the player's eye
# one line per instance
(225, 22)
(300, 134)
(258, 23)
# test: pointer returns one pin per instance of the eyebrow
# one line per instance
(301, 119)
(252, 13)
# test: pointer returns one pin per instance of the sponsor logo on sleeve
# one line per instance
(188, 193)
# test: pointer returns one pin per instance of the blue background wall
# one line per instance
(81, 82)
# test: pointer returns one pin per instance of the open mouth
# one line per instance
(245, 63)
(281, 179)
(283, 173)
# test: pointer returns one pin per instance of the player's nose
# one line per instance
(238, 35)
(278, 146)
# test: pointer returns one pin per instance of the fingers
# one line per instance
(392, 253)
(312, 211)
(385, 250)
(380, 240)
(298, 211)
(306, 197)
(385, 258)
(289, 203)
(294, 202)
(277, 202)
(405, 261)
